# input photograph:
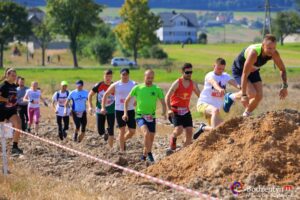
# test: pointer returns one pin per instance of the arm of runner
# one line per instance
(54, 101)
(164, 108)
(90, 101)
(44, 101)
(279, 63)
(234, 84)
(109, 91)
(248, 66)
(26, 99)
(2, 99)
(127, 100)
(67, 105)
(171, 91)
(216, 85)
(196, 89)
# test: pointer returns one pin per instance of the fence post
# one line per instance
(3, 144)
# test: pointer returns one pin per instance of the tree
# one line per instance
(286, 23)
(138, 27)
(43, 35)
(13, 25)
(73, 18)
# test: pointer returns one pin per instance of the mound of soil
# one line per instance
(264, 150)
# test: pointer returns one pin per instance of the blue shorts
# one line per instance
(150, 125)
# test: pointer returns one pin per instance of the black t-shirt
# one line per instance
(8, 91)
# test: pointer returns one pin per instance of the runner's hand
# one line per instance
(125, 117)
(103, 111)
(283, 93)
(170, 113)
(245, 101)
(222, 92)
(91, 111)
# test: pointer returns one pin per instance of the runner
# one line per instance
(58, 103)
(33, 97)
(79, 96)
(245, 70)
(8, 106)
(178, 102)
(22, 105)
(146, 95)
(211, 98)
(99, 89)
(121, 89)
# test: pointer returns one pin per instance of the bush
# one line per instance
(153, 52)
(102, 50)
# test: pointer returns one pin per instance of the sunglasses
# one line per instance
(188, 72)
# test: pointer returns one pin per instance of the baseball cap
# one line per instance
(64, 83)
(79, 82)
(124, 70)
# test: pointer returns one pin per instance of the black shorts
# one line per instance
(131, 119)
(80, 121)
(7, 114)
(182, 120)
(253, 77)
(150, 125)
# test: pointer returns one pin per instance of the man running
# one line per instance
(99, 89)
(22, 105)
(146, 95)
(178, 103)
(79, 97)
(211, 98)
(121, 89)
(59, 99)
(245, 70)
(8, 106)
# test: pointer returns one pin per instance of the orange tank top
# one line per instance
(182, 96)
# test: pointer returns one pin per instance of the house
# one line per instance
(35, 16)
(178, 27)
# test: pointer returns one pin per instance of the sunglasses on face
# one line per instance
(188, 72)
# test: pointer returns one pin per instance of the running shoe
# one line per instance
(227, 102)
(169, 152)
(60, 135)
(75, 137)
(65, 134)
(199, 131)
(173, 143)
(150, 157)
(16, 151)
(106, 135)
(143, 158)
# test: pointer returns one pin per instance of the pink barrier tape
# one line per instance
(151, 178)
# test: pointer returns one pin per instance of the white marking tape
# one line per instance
(153, 179)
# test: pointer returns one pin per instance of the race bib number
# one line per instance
(61, 102)
(110, 100)
(148, 118)
(79, 114)
(122, 101)
(182, 111)
(216, 94)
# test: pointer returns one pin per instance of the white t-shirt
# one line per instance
(209, 94)
(121, 92)
(34, 98)
(60, 99)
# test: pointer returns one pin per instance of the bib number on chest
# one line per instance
(148, 118)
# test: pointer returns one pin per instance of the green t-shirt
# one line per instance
(146, 98)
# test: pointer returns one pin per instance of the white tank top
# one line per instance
(121, 92)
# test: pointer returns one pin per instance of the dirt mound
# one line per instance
(263, 150)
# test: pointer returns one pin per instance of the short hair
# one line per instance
(186, 66)
(269, 37)
(108, 72)
(21, 78)
(220, 61)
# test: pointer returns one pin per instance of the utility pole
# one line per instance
(267, 22)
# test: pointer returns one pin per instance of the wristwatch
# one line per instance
(284, 86)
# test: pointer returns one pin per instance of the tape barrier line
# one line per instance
(151, 178)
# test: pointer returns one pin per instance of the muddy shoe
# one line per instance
(75, 137)
(106, 135)
(16, 151)
(143, 158)
(65, 134)
(169, 152)
(150, 157)
(199, 131)
(81, 136)
(173, 143)
(60, 135)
